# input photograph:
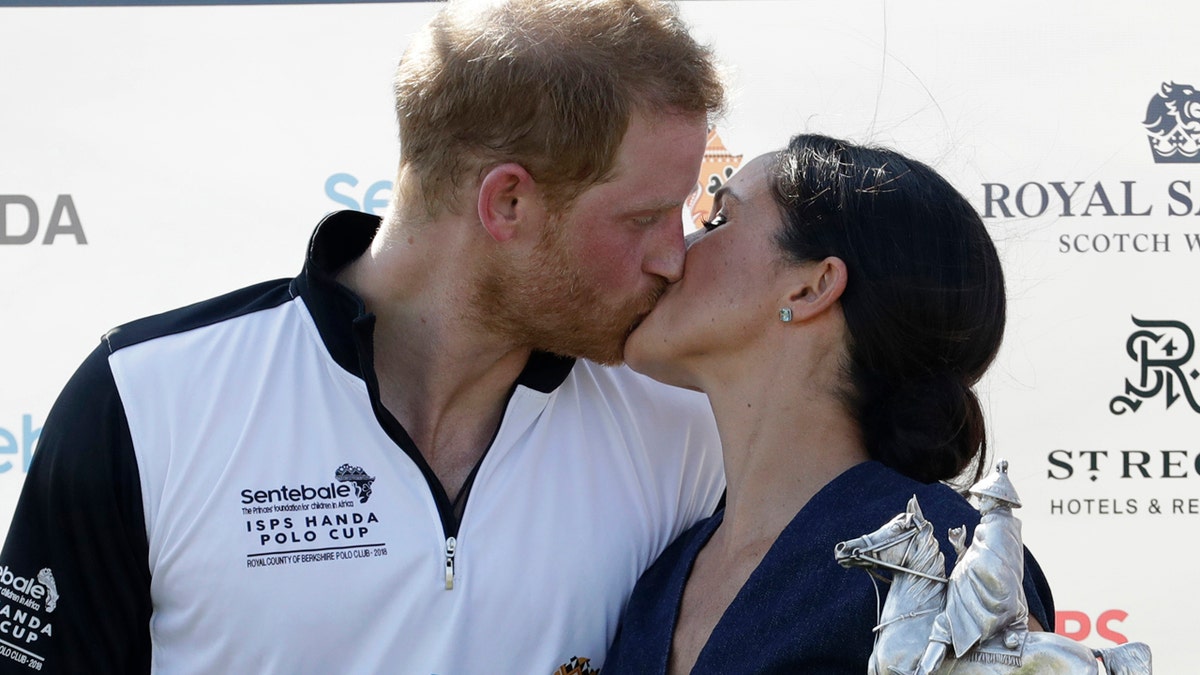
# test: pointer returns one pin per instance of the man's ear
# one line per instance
(508, 196)
(817, 287)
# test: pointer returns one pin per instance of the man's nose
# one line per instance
(666, 253)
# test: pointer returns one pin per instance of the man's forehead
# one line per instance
(660, 132)
(663, 156)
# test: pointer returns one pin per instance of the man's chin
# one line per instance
(611, 353)
(602, 340)
(602, 349)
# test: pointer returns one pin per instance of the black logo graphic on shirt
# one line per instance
(25, 607)
(298, 523)
(32, 593)
(294, 497)
(359, 478)
(1162, 350)
(578, 665)
(46, 578)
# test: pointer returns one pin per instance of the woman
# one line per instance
(837, 310)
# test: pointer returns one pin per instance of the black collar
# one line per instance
(345, 325)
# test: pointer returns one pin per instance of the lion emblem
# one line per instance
(1173, 123)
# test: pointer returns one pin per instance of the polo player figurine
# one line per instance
(984, 595)
(976, 621)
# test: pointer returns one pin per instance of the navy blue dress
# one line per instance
(799, 612)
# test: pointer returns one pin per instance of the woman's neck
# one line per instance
(783, 440)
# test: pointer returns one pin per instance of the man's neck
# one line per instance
(440, 375)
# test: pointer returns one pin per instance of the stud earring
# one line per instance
(785, 315)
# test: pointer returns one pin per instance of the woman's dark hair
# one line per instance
(924, 299)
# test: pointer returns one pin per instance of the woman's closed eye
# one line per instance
(717, 221)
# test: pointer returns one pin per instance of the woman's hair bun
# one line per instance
(929, 428)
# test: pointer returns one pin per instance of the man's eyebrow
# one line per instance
(655, 207)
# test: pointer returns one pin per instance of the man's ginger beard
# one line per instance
(547, 304)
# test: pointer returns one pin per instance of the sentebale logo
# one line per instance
(358, 478)
(42, 589)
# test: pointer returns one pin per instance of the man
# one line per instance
(417, 456)
(984, 596)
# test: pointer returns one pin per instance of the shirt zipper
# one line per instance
(364, 327)
(451, 543)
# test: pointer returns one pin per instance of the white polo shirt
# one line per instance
(219, 489)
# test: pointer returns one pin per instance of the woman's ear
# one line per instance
(508, 196)
(820, 286)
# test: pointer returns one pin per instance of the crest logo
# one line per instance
(46, 578)
(578, 665)
(1162, 350)
(359, 478)
(1173, 124)
(717, 167)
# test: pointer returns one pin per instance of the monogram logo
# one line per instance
(1162, 350)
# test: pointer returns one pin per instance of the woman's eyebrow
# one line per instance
(725, 193)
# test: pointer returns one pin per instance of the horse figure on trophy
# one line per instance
(975, 622)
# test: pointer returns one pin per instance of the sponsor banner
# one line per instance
(1104, 626)
(1152, 373)
(138, 177)
(17, 442)
(19, 434)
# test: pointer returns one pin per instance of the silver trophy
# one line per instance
(974, 622)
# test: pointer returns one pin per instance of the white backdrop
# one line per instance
(173, 153)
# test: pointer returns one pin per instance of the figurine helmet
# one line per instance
(997, 486)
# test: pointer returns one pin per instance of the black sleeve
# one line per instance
(74, 571)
